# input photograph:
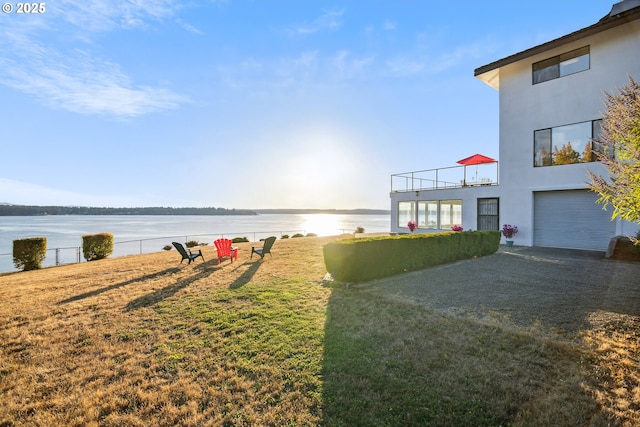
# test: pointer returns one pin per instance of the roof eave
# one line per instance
(490, 73)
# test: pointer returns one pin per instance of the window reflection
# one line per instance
(561, 65)
(565, 145)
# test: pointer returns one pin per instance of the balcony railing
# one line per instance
(443, 178)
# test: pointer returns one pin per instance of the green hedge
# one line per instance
(29, 253)
(97, 246)
(360, 260)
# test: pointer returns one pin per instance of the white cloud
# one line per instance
(106, 15)
(329, 20)
(421, 61)
(24, 193)
(345, 66)
(78, 80)
(405, 66)
(388, 25)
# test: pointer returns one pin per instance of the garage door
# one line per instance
(571, 219)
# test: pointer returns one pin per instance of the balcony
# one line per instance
(445, 178)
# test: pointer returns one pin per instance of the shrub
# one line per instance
(239, 240)
(29, 253)
(297, 235)
(285, 236)
(312, 235)
(167, 247)
(97, 246)
(360, 260)
(359, 229)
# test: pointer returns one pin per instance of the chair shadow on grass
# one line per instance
(202, 270)
(246, 276)
(96, 292)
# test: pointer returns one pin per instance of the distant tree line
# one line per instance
(325, 211)
(22, 210)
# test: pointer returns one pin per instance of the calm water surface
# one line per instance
(135, 234)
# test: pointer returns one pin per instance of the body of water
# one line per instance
(142, 234)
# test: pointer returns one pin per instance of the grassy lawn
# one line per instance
(142, 341)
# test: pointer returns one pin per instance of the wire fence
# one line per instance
(73, 254)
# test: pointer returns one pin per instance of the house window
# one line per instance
(450, 213)
(406, 213)
(428, 214)
(488, 214)
(561, 65)
(600, 146)
(431, 214)
(565, 145)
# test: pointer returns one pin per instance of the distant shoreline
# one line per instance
(22, 210)
(28, 210)
(325, 211)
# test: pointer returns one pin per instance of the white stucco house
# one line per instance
(550, 105)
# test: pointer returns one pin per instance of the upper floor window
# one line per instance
(561, 65)
(565, 145)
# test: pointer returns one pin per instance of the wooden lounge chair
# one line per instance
(265, 249)
(187, 254)
(224, 249)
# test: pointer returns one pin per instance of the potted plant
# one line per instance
(456, 227)
(412, 226)
(508, 231)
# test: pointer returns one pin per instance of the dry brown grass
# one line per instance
(142, 340)
(614, 356)
(112, 342)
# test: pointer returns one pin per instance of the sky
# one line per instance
(252, 104)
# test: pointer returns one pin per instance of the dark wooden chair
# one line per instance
(265, 249)
(187, 254)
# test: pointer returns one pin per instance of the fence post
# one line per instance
(78, 253)
(57, 256)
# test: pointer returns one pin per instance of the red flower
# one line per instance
(509, 231)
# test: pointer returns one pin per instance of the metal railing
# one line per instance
(73, 254)
(443, 178)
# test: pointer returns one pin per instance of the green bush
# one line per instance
(29, 253)
(311, 235)
(239, 240)
(359, 230)
(297, 235)
(360, 260)
(285, 236)
(97, 246)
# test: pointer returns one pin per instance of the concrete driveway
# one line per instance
(559, 291)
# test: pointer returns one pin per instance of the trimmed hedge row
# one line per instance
(97, 246)
(360, 260)
(29, 253)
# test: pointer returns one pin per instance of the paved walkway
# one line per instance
(558, 290)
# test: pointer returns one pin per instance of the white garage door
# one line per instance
(571, 219)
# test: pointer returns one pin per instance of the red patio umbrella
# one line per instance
(476, 159)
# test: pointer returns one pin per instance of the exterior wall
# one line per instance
(468, 195)
(524, 108)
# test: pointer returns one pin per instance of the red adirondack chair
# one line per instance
(224, 249)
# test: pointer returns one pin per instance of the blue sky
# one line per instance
(252, 104)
